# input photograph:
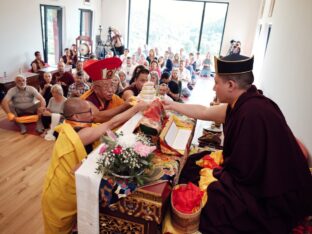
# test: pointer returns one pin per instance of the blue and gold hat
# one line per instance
(233, 64)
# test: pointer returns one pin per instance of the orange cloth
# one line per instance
(187, 198)
(27, 119)
(116, 101)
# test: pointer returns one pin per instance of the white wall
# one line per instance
(20, 29)
(285, 74)
(241, 24)
(115, 14)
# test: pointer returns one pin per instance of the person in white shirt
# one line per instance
(124, 56)
(128, 69)
(162, 92)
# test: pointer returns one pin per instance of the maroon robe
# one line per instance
(66, 78)
(265, 185)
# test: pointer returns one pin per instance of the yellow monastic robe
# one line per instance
(59, 192)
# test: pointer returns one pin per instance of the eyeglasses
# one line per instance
(80, 113)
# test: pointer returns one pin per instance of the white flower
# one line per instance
(127, 141)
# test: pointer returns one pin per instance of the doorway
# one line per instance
(51, 26)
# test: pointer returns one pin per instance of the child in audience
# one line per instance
(163, 91)
(79, 87)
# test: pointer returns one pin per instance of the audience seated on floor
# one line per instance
(23, 101)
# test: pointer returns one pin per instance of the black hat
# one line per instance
(233, 64)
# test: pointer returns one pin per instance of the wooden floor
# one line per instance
(23, 163)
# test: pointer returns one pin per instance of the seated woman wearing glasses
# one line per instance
(75, 136)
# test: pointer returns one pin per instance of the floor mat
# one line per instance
(11, 126)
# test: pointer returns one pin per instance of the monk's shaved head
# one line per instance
(75, 105)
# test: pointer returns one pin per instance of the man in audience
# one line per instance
(74, 142)
(102, 93)
(79, 87)
(62, 77)
(38, 63)
(22, 100)
(264, 184)
(79, 68)
(134, 89)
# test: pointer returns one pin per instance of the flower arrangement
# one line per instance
(126, 156)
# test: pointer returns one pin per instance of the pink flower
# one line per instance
(103, 149)
(117, 150)
(143, 150)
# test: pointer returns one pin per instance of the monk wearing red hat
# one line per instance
(102, 93)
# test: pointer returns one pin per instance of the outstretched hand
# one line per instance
(141, 105)
(168, 105)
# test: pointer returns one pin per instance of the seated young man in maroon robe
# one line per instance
(38, 63)
(264, 184)
(102, 93)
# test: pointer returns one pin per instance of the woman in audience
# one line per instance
(67, 58)
(151, 56)
(205, 72)
(161, 63)
(176, 61)
(135, 88)
(198, 62)
(45, 91)
(122, 77)
(154, 67)
(117, 84)
(56, 105)
(175, 86)
(154, 78)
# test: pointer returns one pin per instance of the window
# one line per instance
(138, 23)
(51, 26)
(179, 28)
(268, 38)
(85, 23)
(193, 25)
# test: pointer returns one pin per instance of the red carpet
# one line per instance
(11, 126)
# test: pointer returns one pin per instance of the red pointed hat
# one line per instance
(102, 69)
